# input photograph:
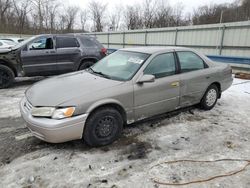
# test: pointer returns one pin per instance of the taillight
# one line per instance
(104, 51)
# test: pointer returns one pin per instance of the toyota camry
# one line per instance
(127, 86)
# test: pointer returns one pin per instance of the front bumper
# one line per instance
(52, 130)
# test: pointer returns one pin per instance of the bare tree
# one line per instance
(246, 9)
(115, 18)
(52, 16)
(149, 12)
(177, 14)
(21, 11)
(61, 25)
(97, 11)
(84, 18)
(5, 5)
(38, 5)
(48, 16)
(71, 13)
(133, 18)
(163, 14)
(208, 14)
(50, 9)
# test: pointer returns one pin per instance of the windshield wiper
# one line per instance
(99, 73)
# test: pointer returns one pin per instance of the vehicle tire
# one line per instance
(86, 64)
(7, 77)
(103, 127)
(210, 98)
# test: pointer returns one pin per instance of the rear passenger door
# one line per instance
(194, 77)
(68, 53)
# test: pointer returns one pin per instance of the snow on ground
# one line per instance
(223, 132)
(10, 98)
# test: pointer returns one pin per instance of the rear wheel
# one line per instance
(6, 76)
(86, 64)
(103, 127)
(210, 98)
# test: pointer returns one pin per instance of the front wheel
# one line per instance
(6, 76)
(210, 98)
(103, 127)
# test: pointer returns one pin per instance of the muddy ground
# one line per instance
(132, 161)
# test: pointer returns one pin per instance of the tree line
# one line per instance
(51, 16)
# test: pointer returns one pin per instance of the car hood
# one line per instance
(64, 88)
(5, 50)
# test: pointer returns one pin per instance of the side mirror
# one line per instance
(146, 78)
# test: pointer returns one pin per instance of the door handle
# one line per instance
(175, 84)
(52, 52)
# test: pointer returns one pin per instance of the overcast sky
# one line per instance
(188, 4)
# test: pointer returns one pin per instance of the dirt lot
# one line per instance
(134, 160)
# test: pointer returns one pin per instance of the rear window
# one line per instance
(88, 43)
(189, 61)
(66, 42)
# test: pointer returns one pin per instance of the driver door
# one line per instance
(163, 94)
(39, 57)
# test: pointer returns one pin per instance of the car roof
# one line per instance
(68, 35)
(154, 49)
(4, 41)
(7, 38)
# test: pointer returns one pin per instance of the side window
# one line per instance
(161, 66)
(66, 42)
(42, 43)
(189, 61)
(88, 43)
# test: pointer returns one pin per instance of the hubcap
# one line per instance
(211, 97)
(105, 127)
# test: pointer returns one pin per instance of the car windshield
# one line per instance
(121, 65)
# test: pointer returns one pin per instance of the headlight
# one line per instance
(52, 112)
(63, 113)
(42, 111)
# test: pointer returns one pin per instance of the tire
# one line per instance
(7, 77)
(86, 64)
(210, 98)
(103, 127)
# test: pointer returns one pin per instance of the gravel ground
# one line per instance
(136, 159)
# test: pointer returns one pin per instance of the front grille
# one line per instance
(28, 106)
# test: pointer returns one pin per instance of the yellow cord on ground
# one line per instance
(205, 179)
